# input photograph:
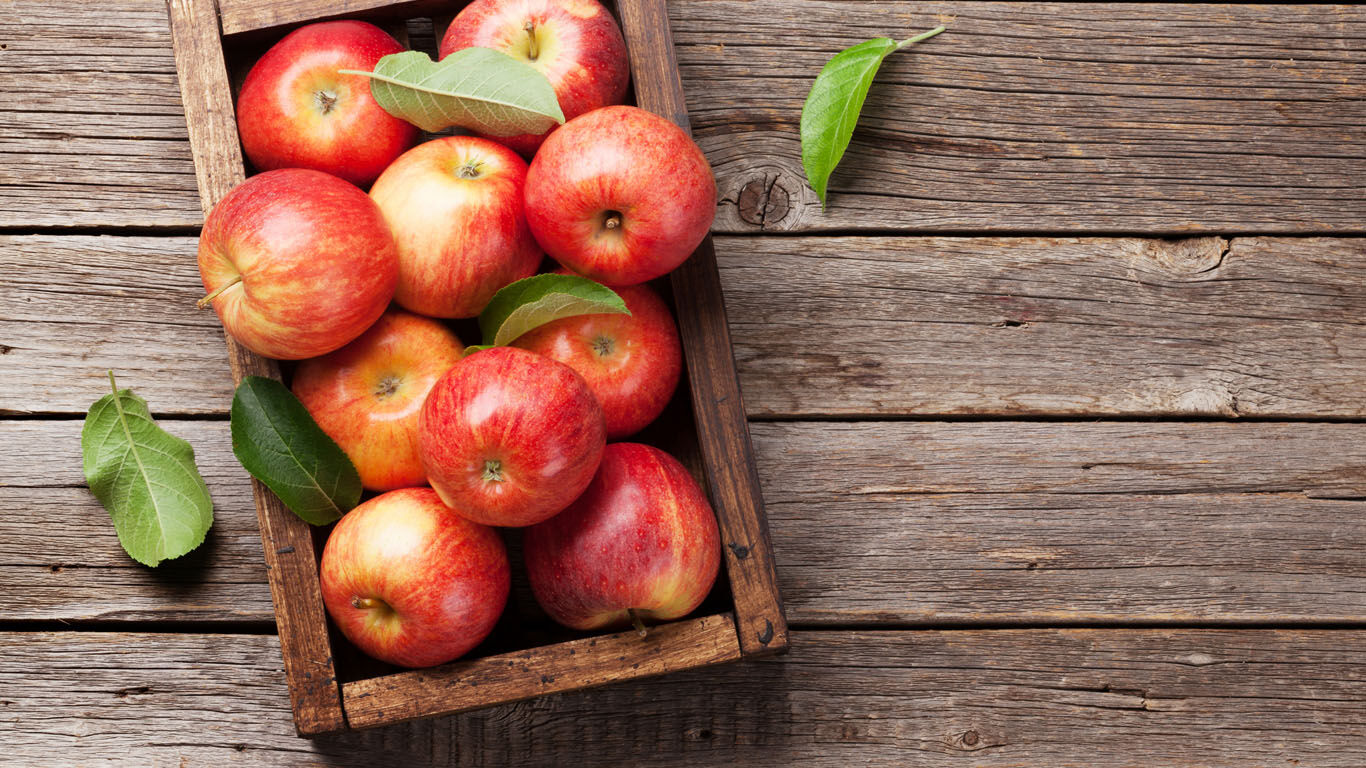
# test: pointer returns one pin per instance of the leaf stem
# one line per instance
(112, 385)
(207, 300)
(919, 37)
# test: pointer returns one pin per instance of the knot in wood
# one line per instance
(764, 202)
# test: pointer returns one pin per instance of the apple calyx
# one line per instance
(207, 300)
(603, 345)
(493, 471)
(387, 386)
(470, 170)
(325, 101)
(533, 51)
(637, 623)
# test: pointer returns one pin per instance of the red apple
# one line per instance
(641, 539)
(509, 437)
(575, 43)
(367, 395)
(410, 582)
(620, 195)
(455, 207)
(295, 111)
(631, 362)
(298, 263)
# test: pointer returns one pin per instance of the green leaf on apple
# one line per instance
(476, 88)
(832, 108)
(145, 477)
(278, 442)
(530, 303)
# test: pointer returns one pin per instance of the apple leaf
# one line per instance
(832, 108)
(526, 304)
(278, 442)
(476, 88)
(145, 477)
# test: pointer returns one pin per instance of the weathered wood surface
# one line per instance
(1058, 698)
(1025, 116)
(1267, 327)
(904, 522)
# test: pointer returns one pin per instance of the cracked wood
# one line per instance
(1023, 117)
(998, 699)
(872, 523)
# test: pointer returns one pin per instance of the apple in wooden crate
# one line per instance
(297, 263)
(296, 111)
(509, 437)
(642, 538)
(631, 362)
(620, 195)
(410, 582)
(456, 210)
(576, 44)
(368, 394)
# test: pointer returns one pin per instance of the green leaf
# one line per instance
(836, 99)
(145, 477)
(279, 444)
(538, 300)
(477, 88)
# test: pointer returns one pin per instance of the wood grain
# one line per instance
(569, 666)
(239, 16)
(873, 523)
(287, 541)
(1265, 327)
(718, 409)
(1063, 698)
(1131, 118)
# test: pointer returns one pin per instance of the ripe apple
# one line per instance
(642, 539)
(367, 395)
(295, 111)
(296, 263)
(509, 437)
(575, 43)
(631, 362)
(620, 195)
(410, 582)
(456, 211)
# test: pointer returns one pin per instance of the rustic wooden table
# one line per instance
(1058, 408)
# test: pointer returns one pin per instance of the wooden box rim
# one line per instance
(322, 705)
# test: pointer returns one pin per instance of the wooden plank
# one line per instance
(1267, 327)
(1024, 116)
(873, 523)
(291, 561)
(1064, 698)
(512, 677)
(718, 409)
(239, 16)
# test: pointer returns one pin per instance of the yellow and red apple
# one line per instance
(368, 394)
(575, 43)
(297, 263)
(410, 582)
(642, 538)
(296, 111)
(456, 211)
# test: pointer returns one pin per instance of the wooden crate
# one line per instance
(747, 617)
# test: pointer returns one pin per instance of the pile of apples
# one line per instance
(300, 263)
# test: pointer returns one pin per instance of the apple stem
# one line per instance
(207, 300)
(363, 602)
(532, 50)
(612, 221)
(637, 623)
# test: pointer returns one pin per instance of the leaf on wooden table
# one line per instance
(277, 441)
(145, 477)
(832, 107)
(476, 88)
(534, 301)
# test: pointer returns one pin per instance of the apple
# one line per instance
(296, 263)
(620, 195)
(410, 582)
(296, 111)
(641, 540)
(456, 211)
(575, 43)
(509, 437)
(631, 362)
(367, 395)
